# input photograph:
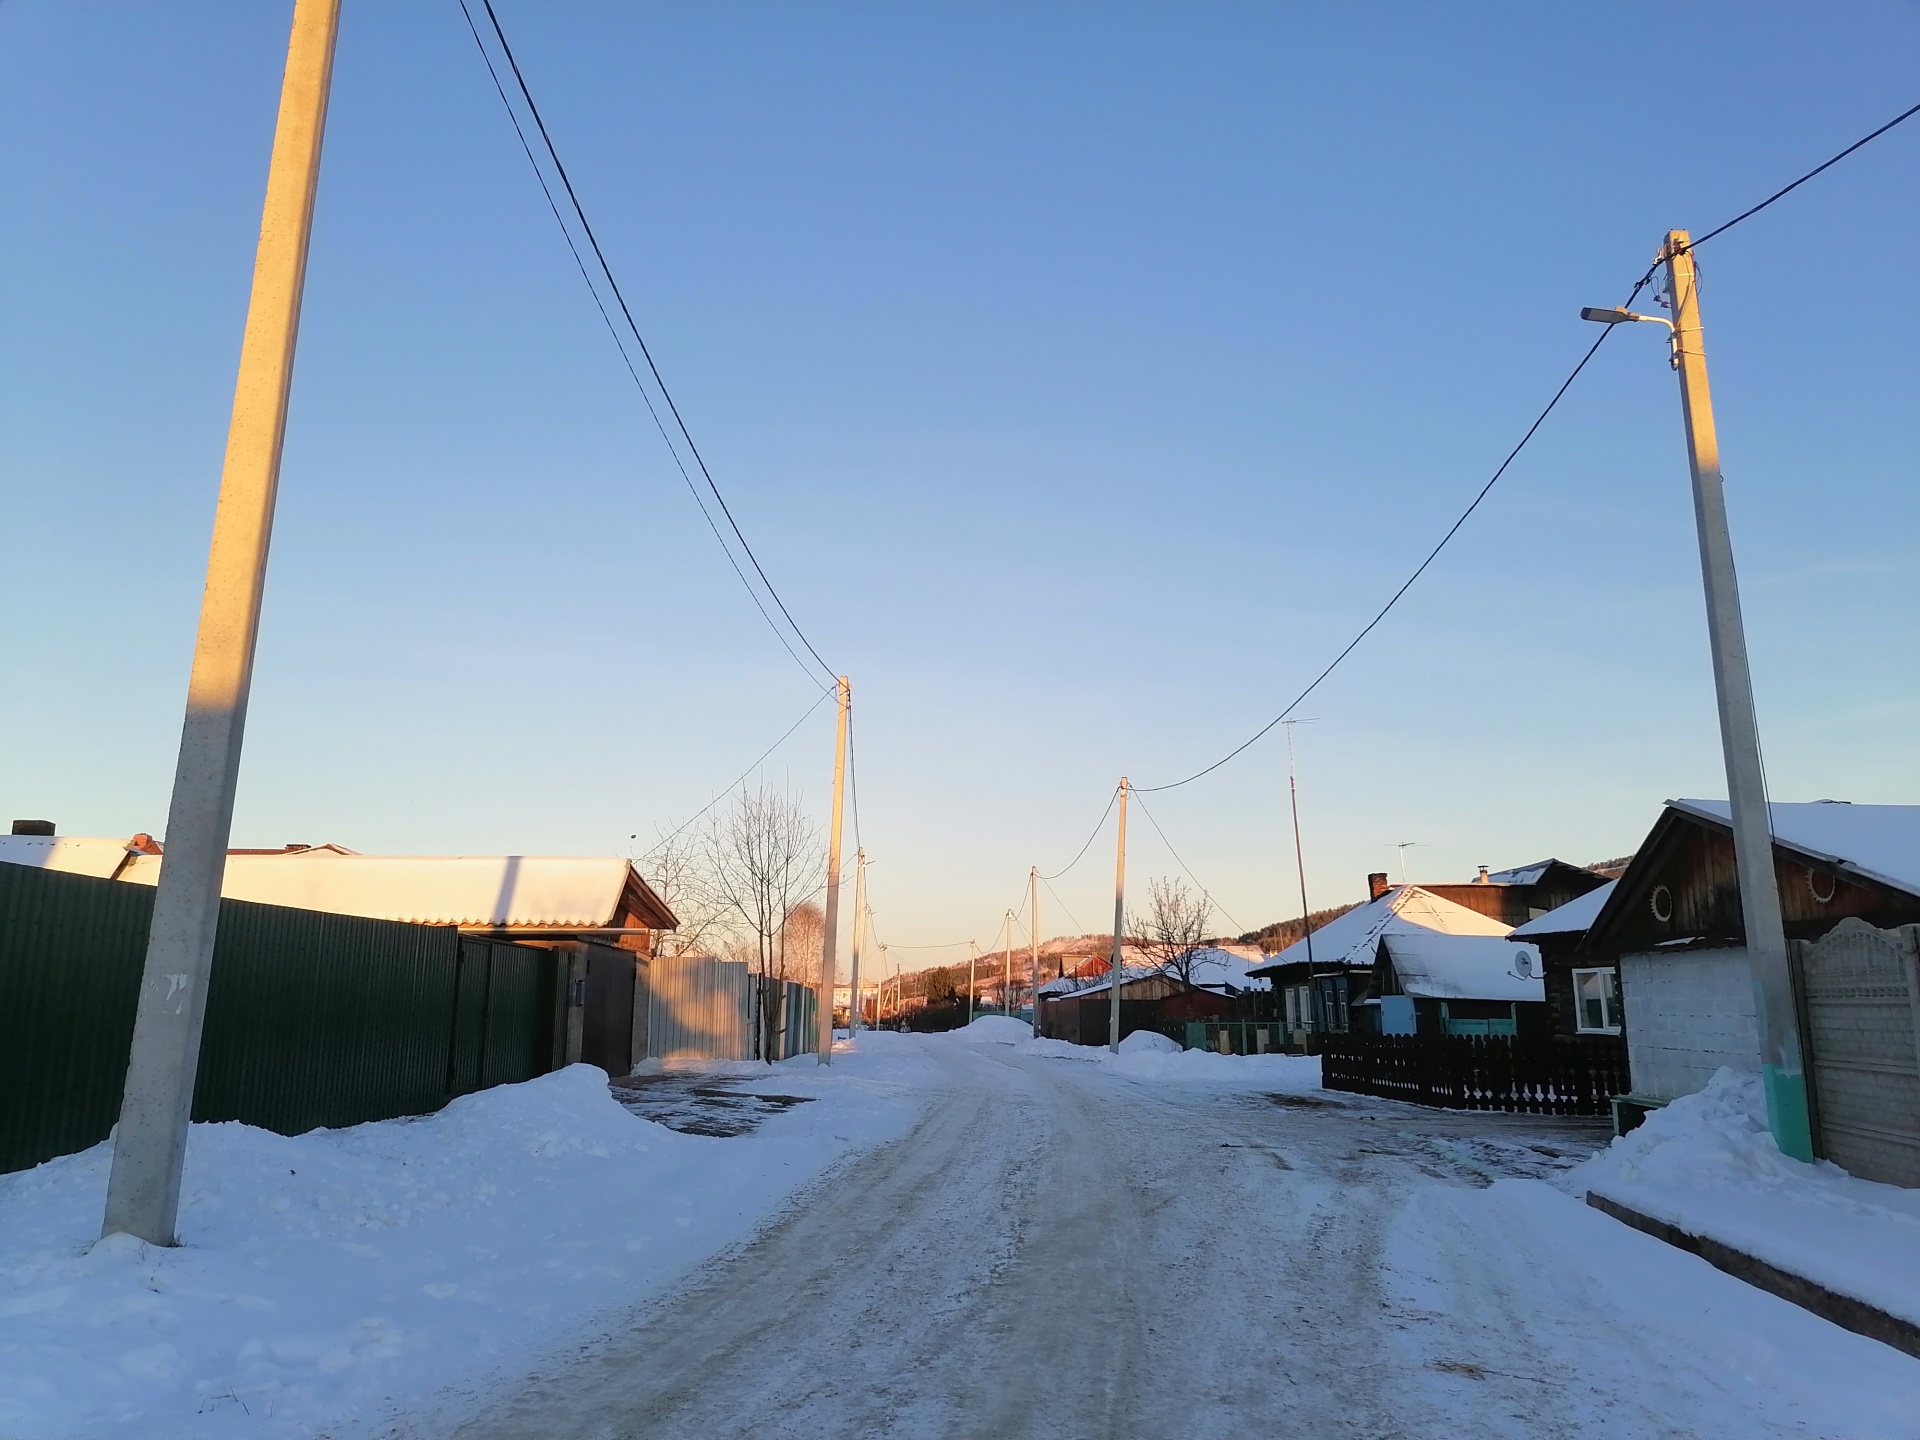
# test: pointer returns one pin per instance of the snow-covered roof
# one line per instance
(530, 891)
(1065, 985)
(75, 854)
(1573, 918)
(1523, 874)
(1100, 984)
(1352, 938)
(525, 891)
(1433, 966)
(1881, 842)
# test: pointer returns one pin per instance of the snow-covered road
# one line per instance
(1058, 1250)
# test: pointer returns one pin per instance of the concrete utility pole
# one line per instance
(859, 934)
(1119, 923)
(143, 1190)
(1782, 1068)
(1299, 854)
(1006, 975)
(1033, 939)
(830, 928)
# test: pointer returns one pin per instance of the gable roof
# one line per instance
(1573, 918)
(1352, 938)
(1432, 966)
(1880, 842)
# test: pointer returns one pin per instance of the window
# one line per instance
(1596, 1002)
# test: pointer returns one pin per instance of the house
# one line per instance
(1582, 985)
(1514, 896)
(1668, 940)
(1428, 983)
(599, 913)
(1316, 979)
(1079, 1009)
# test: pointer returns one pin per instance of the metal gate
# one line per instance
(1861, 989)
(607, 1039)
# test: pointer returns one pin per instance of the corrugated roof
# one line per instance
(1573, 918)
(534, 891)
(1406, 909)
(1433, 966)
(75, 854)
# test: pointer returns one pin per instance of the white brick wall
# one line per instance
(1688, 1014)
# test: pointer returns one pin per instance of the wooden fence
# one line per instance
(1557, 1075)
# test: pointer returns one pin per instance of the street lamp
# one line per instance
(1782, 1067)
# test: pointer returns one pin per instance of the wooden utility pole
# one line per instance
(973, 954)
(1033, 940)
(143, 1189)
(830, 928)
(1781, 1065)
(1119, 922)
(859, 934)
(1299, 854)
(1006, 972)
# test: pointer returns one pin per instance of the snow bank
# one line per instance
(994, 1030)
(1585, 1296)
(330, 1277)
(1707, 1164)
(1148, 1055)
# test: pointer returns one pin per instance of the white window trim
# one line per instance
(1580, 1026)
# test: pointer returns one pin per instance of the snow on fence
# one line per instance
(1551, 1076)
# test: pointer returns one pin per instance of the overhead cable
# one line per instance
(626, 312)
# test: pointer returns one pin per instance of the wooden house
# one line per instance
(1428, 983)
(1582, 984)
(1668, 940)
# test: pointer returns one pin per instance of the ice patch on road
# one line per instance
(325, 1279)
(1707, 1164)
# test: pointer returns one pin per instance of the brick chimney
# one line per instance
(1377, 885)
(1482, 879)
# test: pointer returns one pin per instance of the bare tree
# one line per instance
(802, 937)
(1173, 931)
(678, 871)
(762, 858)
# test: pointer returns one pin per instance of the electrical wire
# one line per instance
(675, 834)
(1205, 893)
(620, 298)
(1098, 827)
(1540, 419)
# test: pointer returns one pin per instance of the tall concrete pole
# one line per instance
(830, 928)
(1033, 940)
(143, 1190)
(973, 955)
(1006, 972)
(859, 934)
(1781, 1066)
(1119, 923)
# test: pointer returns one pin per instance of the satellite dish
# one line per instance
(1523, 965)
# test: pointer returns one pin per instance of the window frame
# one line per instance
(1609, 1002)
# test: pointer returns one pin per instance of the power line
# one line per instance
(669, 839)
(1205, 893)
(1098, 827)
(626, 312)
(1540, 419)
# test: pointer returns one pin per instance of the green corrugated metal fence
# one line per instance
(312, 1019)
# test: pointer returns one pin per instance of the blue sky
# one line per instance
(1084, 376)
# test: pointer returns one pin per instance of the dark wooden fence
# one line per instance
(1557, 1075)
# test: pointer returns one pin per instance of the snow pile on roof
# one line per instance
(528, 890)
(1464, 967)
(1880, 841)
(1352, 938)
(75, 854)
(994, 1030)
(1575, 917)
(327, 1278)
(1707, 1164)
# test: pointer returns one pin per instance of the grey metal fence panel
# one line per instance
(1862, 993)
(699, 1008)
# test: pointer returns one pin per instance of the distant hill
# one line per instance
(1282, 933)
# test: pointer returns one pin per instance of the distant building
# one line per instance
(1436, 984)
